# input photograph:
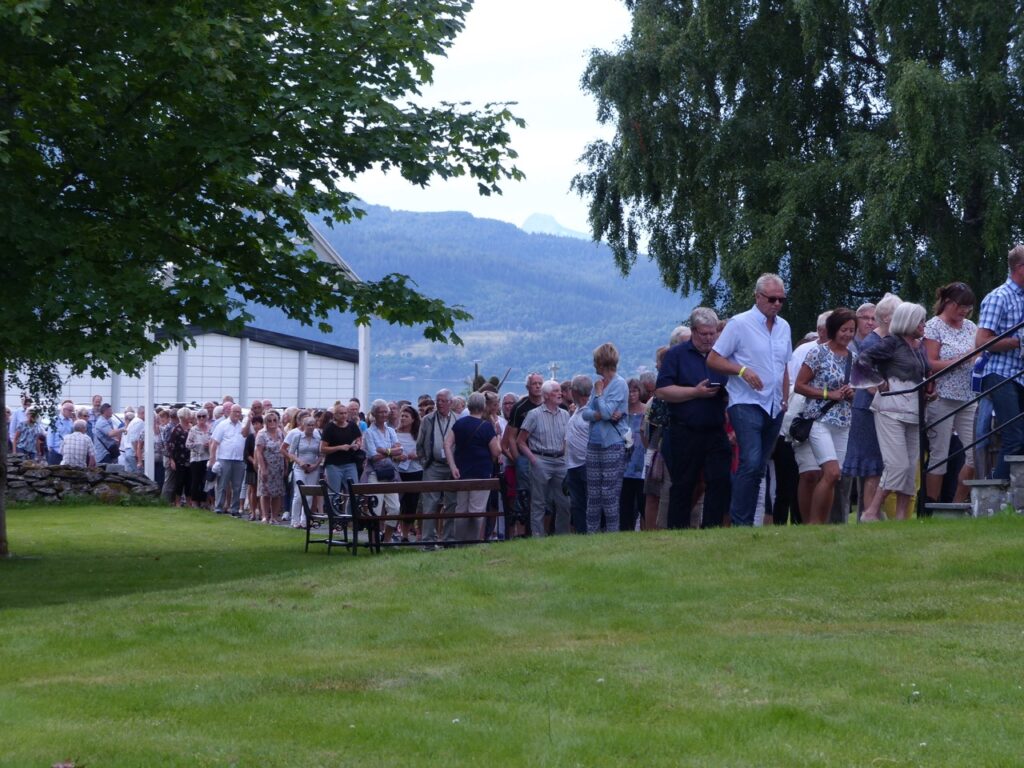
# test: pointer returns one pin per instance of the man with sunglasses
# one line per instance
(753, 351)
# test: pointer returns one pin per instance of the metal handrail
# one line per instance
(923, 427)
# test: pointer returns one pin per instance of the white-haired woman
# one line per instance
(180, 455)
(302, 446)
(898, 363)
(198, 444)
(863, 456)
(383, 454)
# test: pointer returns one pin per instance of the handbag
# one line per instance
(800, 427)
(385, 470)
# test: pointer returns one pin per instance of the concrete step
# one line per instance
(949, 511)
(988, 497)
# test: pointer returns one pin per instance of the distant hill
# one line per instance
(542, 224)
(535, 299)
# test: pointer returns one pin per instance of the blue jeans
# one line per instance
(756, 433)
(338, 476)
(1007, 401)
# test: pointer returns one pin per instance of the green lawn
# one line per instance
(152, 637)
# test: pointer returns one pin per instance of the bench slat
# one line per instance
(423, 486)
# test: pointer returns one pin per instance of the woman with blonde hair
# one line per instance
(606, 448)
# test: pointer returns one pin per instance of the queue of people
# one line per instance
(737, 427)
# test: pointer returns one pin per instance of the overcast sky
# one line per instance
(532, 52)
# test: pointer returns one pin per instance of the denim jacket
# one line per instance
(615, 398)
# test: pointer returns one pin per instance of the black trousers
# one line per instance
(787, 478)
(696, 453)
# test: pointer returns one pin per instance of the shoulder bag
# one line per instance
(800, 427)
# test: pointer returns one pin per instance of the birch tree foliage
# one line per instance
(853, 147)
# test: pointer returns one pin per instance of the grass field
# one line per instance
(151, 637)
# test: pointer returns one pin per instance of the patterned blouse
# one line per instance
(829, 371)
(953, 343)
(198, 444)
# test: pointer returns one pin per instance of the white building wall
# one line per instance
(212, 371)
(328, 380)
(212, 368)
(273, 373)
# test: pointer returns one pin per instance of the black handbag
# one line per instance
(800, 426)
(385, 470)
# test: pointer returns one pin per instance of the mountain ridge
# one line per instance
(536, 299)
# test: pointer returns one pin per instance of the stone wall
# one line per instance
(34, 482)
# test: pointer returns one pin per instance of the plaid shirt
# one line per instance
(77, 449)
(1002, 309)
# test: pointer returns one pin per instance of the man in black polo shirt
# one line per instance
(509, 447)
(696, 398)
(533, 399)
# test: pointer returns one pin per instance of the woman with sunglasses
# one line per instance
(198, 444)
(948, 338)
(270, 468)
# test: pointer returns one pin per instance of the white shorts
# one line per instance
(826, 443)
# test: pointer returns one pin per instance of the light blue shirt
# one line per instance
(603, 431)
(747, 341)
(59, 429)
(373, 439)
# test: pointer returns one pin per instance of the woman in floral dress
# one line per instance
(270, 465)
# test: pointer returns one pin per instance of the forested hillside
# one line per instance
(535, 299)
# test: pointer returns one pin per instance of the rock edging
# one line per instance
(32, 481)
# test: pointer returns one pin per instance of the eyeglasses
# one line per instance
(201, 416)
(774, 299)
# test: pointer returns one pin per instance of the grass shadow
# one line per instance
(64, 555)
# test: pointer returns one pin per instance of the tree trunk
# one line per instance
(4, 549)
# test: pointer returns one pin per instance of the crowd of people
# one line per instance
(736, 427)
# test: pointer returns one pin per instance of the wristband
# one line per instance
(824, 394)
(742, 369)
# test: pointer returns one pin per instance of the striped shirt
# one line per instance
(547, 429)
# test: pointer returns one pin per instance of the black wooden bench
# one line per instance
(363, 501)
(335, 517)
